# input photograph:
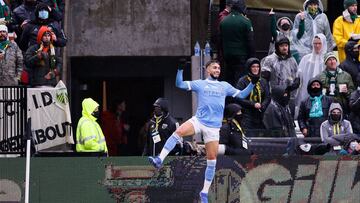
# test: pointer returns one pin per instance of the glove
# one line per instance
(182, 64)
(254, 78)
(294, 85)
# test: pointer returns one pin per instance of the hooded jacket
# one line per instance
(30, 32)
(40, 67)
(231, 133)
(355, 110)
(310, 66)
(304, 119)
(343, 27)
(351, 64)
(313, 26)
(252, 117)
(89, 136)
(280, 68)
(278, 118)
(332, 132)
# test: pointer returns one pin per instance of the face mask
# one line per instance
(158, 112)
(238, 117)
(285, 100)
(285, 27)
(96, 114)
(335, 117)
(43, 14)
(315, 92)
(312, 10)
(354, 54)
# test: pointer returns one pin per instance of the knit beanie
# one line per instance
(329, 55)
(348, 3)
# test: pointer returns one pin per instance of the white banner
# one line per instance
(50, 116)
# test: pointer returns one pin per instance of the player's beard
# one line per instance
(213, 77)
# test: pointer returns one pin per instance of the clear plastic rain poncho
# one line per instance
(310, 66)
(283, 71)
(312, 26)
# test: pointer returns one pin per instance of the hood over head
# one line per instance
(88, 107)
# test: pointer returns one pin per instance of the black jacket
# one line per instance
(278, 118)
(231, 137)
(355, 111)
(166, 127)
(351, 64)
(313, 124)
(252, 117)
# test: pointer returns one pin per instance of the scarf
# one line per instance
(336, 128)
(255, 94)
(52, 55)
(4, 44)
(316, 107)
(4, 10)
(56, 7)
(353, 17)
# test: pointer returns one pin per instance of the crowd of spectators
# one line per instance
(31, 39)
(311, 74)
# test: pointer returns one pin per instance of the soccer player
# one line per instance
(211, 95)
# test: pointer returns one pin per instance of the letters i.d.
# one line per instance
(46, 100)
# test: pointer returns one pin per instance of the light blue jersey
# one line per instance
(211, 97)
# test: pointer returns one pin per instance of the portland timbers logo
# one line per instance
(62, 97)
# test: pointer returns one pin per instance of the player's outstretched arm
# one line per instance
(180, 83)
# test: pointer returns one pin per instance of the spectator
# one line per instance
(41, 58)
(115, 128)
(22, 15)
(277, 117)
(220, 18)
(237, 38)
(336, 82)
(351, 64)
(280, 28)
(346, 27)
(11, 59)
(29, 35)
(280, 68)
(5, 13)
(161, 127)
(256, 103)
(311, 65)
(14, 4)
(232, 138)
(314, 109)
(334, 129)
(314, 21)
(57, 8)
(355, 108)
(89, 136)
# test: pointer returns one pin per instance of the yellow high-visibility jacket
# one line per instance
(342, 30)
(89, 136)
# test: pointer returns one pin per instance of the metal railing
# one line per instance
(13, 116)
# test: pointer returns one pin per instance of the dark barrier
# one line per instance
(131, 179)
(12, 119)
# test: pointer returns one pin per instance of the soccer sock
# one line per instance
(169, 145)
(209, 175)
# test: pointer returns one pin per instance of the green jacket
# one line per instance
(342, 77)
(237, 35)
(89, 136)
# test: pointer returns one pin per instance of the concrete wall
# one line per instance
(129, 28)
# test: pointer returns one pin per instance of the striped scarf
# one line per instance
(255, 94)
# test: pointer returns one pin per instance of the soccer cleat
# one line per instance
(155, 161)
(203, 197)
